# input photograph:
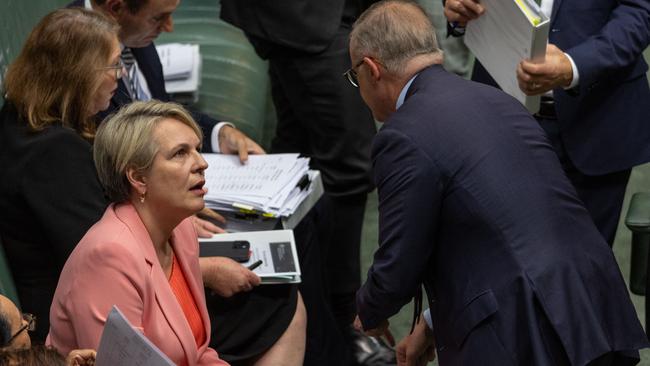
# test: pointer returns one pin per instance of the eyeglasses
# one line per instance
(119, 69)
(30, 326)
(351, 74)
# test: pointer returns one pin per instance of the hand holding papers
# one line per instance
(121, 344)
(276, 249)
(510, 31)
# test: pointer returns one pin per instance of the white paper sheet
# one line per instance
(121, 344)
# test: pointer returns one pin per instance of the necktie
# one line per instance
(131, 76)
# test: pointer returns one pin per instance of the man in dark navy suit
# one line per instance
(596, 99)
(473, 204)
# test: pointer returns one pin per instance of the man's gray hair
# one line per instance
(394, 32)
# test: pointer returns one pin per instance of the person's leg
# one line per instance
(323, 116)
(290, 348)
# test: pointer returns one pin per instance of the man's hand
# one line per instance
(538, 78)
(205, 228)
(233, 141)
(462, 11)
(381, 330)
(81, 357)
(227, 277)
(417, 348)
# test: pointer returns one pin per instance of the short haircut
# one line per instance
(37, 355)
(125, 140)
(394, 31)
(5, 328)
(133, 5)
(56, 73)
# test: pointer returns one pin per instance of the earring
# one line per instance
(142, 196)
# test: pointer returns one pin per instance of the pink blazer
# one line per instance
(115, 264)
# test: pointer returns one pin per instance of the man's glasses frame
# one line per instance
(30, 326)
(351, 74)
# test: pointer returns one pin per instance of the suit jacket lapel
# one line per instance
(166, 299)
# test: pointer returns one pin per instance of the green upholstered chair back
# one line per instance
(234, 80)
(7, 286)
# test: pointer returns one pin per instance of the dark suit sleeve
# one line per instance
(619, 43)
(64, 192)
(410, 191)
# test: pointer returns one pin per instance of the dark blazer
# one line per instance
(604, 120)
(150, 66)
(49, 196)
(308, 26)
(474, 205)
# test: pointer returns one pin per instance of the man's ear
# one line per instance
(115, 7)
(137, 180)
(374, 67)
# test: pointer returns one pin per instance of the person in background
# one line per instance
(142, 255)
(475, 207)
(318, 116)
(595, 95)
(16, 347)
(66, 73)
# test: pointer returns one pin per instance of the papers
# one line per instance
(509, 32)
(271, 185)
(276, 249)
(181, 69)
(121, 344)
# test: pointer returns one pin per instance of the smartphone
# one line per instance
(238, 250)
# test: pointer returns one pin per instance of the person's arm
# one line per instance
(227, 277)
(63, 191)
(106, 275)
(618, 45)
(410, 193)
(417, 348)
(223, 137)
(459, 12)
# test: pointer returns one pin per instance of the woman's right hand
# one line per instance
(227, 277)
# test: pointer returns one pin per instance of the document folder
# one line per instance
(509, 32)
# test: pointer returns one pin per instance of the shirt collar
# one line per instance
(402, 94)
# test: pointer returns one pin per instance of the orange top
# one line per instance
(181, 290)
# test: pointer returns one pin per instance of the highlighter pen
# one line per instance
(255, 264)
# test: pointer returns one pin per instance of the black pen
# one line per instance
(255, 264)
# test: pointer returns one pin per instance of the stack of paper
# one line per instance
(275, 248)
(273, 185)
(181, 69)
(509, 32)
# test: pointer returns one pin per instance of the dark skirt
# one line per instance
(247, 324)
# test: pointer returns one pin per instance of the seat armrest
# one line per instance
(638, 214)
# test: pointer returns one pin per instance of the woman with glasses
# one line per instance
(49, 191)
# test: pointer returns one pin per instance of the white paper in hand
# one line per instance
(121, 344)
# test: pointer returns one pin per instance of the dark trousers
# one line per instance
(322, 116)
(602, 195)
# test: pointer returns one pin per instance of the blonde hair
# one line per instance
(125, 140)
(394, 31)
(56, 73)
